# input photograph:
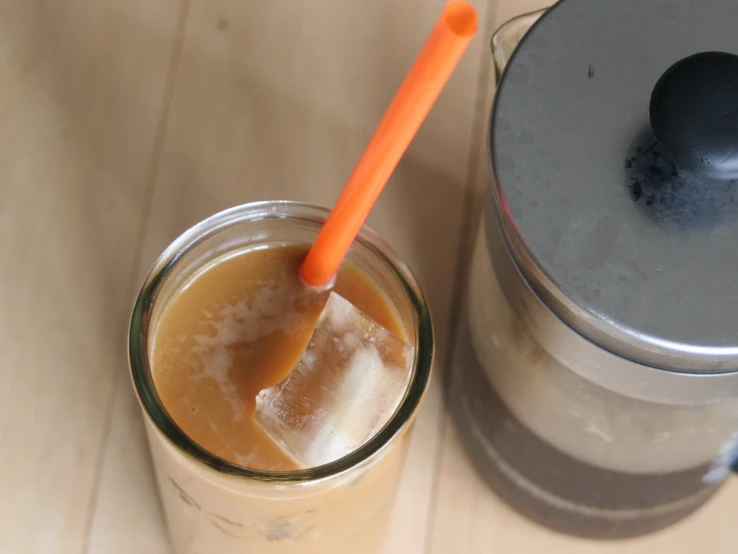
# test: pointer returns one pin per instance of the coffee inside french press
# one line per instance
(599, 395)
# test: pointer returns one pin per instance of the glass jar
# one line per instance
(573, 434)
(212, 505)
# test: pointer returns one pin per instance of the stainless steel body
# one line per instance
(573, 433)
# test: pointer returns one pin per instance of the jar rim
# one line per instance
(139, 342)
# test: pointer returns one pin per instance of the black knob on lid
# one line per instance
(694, 114)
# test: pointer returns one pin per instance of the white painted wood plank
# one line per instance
(128, 516)
(80, 94)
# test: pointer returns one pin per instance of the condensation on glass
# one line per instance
(212, 505)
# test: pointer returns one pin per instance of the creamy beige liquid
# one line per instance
(239, 327)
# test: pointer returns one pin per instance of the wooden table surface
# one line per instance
(121, 124)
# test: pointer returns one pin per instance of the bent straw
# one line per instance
(412, 102)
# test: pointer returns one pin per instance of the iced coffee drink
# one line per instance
(223, 316)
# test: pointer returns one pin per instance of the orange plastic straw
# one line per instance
(414, 99)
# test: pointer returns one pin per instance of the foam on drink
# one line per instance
(238, 327)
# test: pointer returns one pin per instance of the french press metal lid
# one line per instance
(614, 147)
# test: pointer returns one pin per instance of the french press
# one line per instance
(600, 393)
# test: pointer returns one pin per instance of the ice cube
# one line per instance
(348, 382)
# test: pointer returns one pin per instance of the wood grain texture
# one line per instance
(128, 517)
(123, 123)
(80, 95)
